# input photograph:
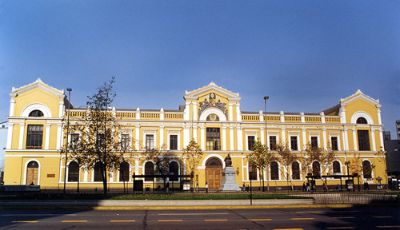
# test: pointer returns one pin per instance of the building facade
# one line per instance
(212, 116)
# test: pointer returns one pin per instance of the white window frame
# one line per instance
(338, 141)
(174, 132)
(297, 135)
(272, 134)
(149, 132)
(318, 139)
(250, 134)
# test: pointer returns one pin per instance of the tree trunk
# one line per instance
(104, 177)
(268, 178)
(262, 178)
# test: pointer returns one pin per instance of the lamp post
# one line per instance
(251, 188)
(66, 143)
(266, 134)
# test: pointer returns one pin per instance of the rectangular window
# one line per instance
(272, 142)
(173, 142)
(293, 143)
(34, 137)
(149, 141)
(124, 141)
(74, 140)
(363, 140)
(334, 143)
(251, 140)
(314, 142)
(252, 172)
(213, 139)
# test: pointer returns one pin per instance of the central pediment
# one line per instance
(212, 90)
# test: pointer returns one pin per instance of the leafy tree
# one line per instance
(161, 160)
(99, 142)
(324, 157)
(261, 158)
(286, 158)
(192, 154)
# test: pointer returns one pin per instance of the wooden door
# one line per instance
(213, 178)
(32, 176)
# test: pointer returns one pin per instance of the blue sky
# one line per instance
(305, 55)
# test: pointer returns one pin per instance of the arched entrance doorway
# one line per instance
(214, 173)
(32, 170)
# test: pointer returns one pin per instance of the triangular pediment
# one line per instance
(37, 84)
(212, 87)
(359, 95)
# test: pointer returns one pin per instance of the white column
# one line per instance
(283, 139)
(224, 138)
(137, 137)
(282, 116)
(59, 136)
(186, 112)
(195, 133)
(262, 136)
(111, 174)
(238, 113)
(232, 146)
(12, 107)
(186, 135)
(302, 117)
(137, 114)
(85, 174)
(324, 143)
(346, 139)
(342, 113)
(202, 137)
(304, 138)
(355, 139)
(373, 139)
(261, 116)
(162, 114)
(379, 116)
(230, 112)
(21, 135)
(47, 138)
(322, 114)
(381, 139)
(240, 138)
(61, 108)
(162, 137)
(136, 165)
(9, 135)
(195, 110)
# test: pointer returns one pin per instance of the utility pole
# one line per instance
(66, 142)
(266, 135)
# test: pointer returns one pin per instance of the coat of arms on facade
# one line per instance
(212, 102)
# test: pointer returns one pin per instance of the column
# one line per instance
(324, 143)
(59, 136)
(304, 138)
(194, 133)
(47, 138)
(21, 135)
(238, 113)
(230, 112)
(231, 139)
(186, 135)
(202, 137)
(381, 139)
(162, 138)
(137, 137)
(344, 140)
(373, 139)
(195, 110)
(224, 138)
(12, 107)
(240, 138)
(262, 136)
(283, 140)
(85, 174)
(355, 139)
(9, 135)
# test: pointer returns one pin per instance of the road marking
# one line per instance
(382, 217)
(192, 214)
(288, 229)
(170, 220)
(338, 228)
(215, 220)
(74, 221)
(302, 218)
(261, 219)
(389, 226)
(122, 221)
(25, 221)
(311, 212)
(345, 217)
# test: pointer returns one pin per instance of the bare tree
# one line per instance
(286, 158)
(324, 156)
(261, 158)
(161, 160)
(99, 143)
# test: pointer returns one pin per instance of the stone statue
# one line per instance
(228, 161)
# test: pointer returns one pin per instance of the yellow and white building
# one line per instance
(212, 116)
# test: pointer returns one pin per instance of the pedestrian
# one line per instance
(308, 187)
(206, 187)
(304, 186)
(243, 187)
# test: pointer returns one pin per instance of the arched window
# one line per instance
(361, 120)
(316, 169)
(212, 117)
(367, 169)
(336, 167)
(36, 113)
(148, 170)
(295, 171)
(274, 171)
(73, 171)
(253, 173)
(97, 172)
(32, 171)
(124, 171)
(174, 171)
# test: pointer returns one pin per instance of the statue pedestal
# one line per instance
(229, 180)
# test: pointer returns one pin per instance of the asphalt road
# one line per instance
(352, 218)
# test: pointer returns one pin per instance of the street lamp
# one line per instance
(266, 133)
(66, 142)
(251, 188)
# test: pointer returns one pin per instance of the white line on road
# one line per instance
(192, 214)
(37, 214)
